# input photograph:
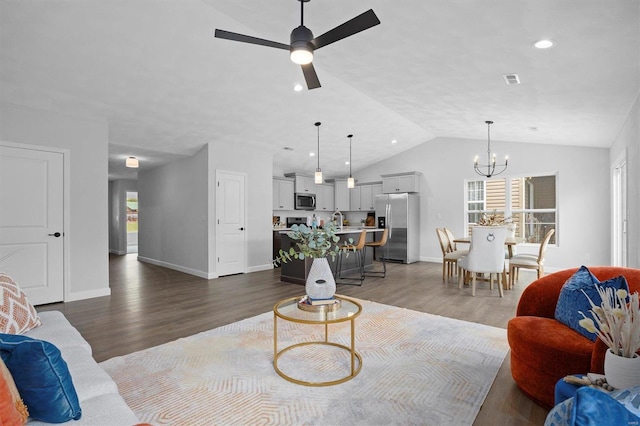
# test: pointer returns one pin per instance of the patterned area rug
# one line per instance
(417, 369)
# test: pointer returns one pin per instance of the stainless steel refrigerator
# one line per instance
(400, 213)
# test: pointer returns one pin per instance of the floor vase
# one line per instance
(621, 372)
(320, 283)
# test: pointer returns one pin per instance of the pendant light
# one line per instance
(491, 160)
(132, 162)
(351, 183)
(318, 176)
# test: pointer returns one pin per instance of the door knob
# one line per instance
(242, 229)
(56, 234)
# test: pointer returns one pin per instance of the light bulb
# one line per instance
(301, 56)
(351, 182)
(318, 176)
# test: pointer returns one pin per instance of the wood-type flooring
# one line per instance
(150, 305)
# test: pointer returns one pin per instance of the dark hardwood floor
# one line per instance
(150, 305)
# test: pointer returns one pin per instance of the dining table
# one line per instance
(509, 242)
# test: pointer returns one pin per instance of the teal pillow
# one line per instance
(593, 407)
(572, 300)
(42, 378)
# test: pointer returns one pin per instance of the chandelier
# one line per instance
(489, 169)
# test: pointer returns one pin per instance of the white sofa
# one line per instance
(100, 401)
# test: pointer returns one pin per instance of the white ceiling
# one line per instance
(432, 68)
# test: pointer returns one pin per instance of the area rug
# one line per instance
(418, 369)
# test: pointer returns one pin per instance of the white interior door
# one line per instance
(230, 223)
(619, 194)
(31, 221)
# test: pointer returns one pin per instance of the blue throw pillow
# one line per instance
(572, 300)
(593, 407)
(42, 378)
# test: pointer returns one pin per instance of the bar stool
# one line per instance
(358, 250)
(373, 244)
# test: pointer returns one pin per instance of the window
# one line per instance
(529, 202)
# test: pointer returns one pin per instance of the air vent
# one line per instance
(511, 78)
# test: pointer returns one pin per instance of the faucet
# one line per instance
(340, 222)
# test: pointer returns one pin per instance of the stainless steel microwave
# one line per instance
(305, 201)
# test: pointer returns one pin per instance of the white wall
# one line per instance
(629, 139)
(583, 192)
(118, 214)
(173, 214)
(258, 166)
(86, 139)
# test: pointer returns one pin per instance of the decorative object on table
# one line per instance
(492, 219)
(317, 244)
(320, 282)
(617, 324)
(491, 160)
(306, 304)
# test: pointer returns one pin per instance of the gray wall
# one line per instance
(86, 232)
(173, 214)
(629, 140)
(118, 214)
(177, 209)
(583, 191)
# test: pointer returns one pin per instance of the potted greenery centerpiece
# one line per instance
(316, 243)
(618, 326)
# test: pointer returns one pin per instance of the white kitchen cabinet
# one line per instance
(305, 185)
(325, 198)
(354, 198)
(283, 194)
(401, 182)
(341, 195)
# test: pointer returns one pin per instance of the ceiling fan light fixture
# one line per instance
(301, 55)
(132, 162)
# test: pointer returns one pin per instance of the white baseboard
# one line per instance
(82, 295)
(190, 271)
(259, 268)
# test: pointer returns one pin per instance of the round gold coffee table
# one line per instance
(288, 310)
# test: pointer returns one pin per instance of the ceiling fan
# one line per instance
(303, 43)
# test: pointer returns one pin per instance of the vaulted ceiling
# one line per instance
(432, 68)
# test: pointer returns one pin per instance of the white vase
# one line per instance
(621, 372)
(320, 282)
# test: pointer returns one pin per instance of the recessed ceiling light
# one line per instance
(394, 141)
(346, 163)
(312, 154)
(297, 87)
(543, 44)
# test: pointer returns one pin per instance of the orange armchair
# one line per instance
(544, 350)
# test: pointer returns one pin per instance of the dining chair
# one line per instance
(356, 249)
(450, 257)
(373, 244)
(529, 261)
(486, 256)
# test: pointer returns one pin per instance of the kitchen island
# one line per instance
(296, 271)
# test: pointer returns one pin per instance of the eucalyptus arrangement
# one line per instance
(617, 319)
(313, 243)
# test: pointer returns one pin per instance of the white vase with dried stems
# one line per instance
(617, 323)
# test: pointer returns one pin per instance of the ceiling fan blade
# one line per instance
(361, 22)
(248, 39)
(310, 76)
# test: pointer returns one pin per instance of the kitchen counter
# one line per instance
(345, 229)
(296, 271)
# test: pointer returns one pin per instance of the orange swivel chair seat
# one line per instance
(543, 350)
